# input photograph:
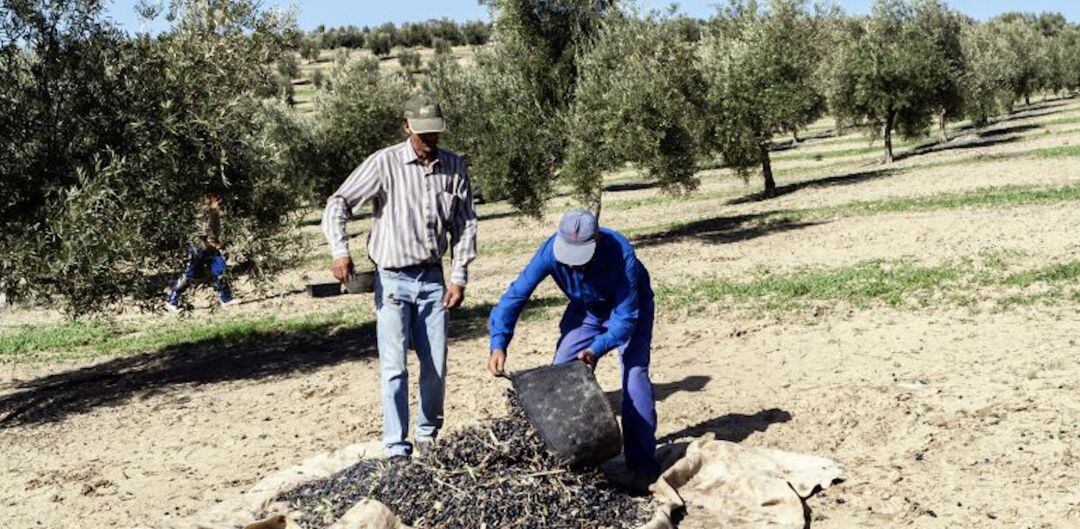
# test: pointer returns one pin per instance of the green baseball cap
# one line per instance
(424, 115)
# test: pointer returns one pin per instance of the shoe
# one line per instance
(172, 302)
(226, 303)
(641, 481)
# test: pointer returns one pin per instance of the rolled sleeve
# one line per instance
(361, 185)
(463, 232)
(334, 222)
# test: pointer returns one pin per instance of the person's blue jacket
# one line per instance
(612, 288)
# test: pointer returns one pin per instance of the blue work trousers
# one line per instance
(578, 328)
(202, 261)
(409, 311)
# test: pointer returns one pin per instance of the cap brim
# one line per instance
(573, 254)
(427, 125)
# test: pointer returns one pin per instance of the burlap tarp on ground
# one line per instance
(722, 484)
(709, 483)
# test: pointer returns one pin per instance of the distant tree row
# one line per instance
(584, 86)
(381, 39)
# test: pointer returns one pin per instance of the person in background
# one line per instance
(422, 206)
(205, 254)
(611, 307)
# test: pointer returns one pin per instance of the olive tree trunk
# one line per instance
(890, 120)
(942, 133)
(766, 171)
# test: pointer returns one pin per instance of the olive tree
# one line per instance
(945, 29)
(1070, 58)
(508, 110)
(357, 113)
(886, 73)
(760, 68)
(1027, 46)
(639, 99)
(409, 60)
(986, 77)
(379, 43)
(1060, 72)
(111, 140)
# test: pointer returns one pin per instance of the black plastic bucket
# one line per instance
(361, 281)
(566, 405)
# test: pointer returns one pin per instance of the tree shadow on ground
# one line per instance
(786, 145)
(1015, 129)
(258, 356)
(630, 186)
(831, 181)
(496, 216)
(733, 427)
(1036, 110)
(267, 297)
(986, 139)
(663, 390)
(721, 230)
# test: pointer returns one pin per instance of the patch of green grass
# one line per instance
(1063, 151)
(101, 338)
(994, 196)
(1066, 120)
(98, 337)
(663, 199)
(815, 169)
(1057, 273)
(891, 283)
(824, 155)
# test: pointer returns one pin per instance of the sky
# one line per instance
(374, 12)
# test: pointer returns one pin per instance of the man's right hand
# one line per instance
(342, 267)
(497, 363)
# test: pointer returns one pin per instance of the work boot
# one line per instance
(172, 301)
(640, 481)
(224, 292)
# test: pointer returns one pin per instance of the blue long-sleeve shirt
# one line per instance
(612, 287)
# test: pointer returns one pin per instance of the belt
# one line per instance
(421, 266)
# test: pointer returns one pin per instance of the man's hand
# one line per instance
(497, 363)
(342, 267)
(455, 294)
(588, 357)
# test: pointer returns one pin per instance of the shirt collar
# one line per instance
(408, 154)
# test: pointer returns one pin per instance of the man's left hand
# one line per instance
(455, 294)
(588, 357)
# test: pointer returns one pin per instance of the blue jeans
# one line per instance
(578, 328)
(409, 310)
(202, 260)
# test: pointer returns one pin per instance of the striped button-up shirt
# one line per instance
(414, 207)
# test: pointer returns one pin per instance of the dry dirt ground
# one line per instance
(943, 415)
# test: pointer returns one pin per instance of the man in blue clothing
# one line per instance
(611, 307)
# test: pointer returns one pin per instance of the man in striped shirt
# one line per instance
(422, 205)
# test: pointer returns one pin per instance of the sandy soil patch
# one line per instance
(933, 414)
(1027, 236)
